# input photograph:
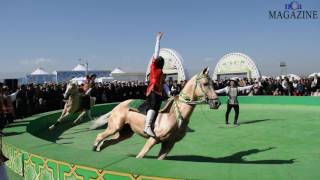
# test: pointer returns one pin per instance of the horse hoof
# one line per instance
(98, 148)
(51, 127)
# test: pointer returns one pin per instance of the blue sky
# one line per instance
(120, 33)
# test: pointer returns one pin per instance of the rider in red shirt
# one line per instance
(155, 87)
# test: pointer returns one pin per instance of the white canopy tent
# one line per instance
(290, 76)
(104, 79)
(40, 76)
(39, 71)
(80, 67)
(78, 80)
(265, 77)
(293, 77)
(117, 71)
(313, 74)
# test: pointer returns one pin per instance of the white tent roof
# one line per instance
(80, 67)
(265, 77)
(39, 71)
(117, 71)
(290, 76)
(312, 75)
(78, 80)
(294, 76)
(104, 79)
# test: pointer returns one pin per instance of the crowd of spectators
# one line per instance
(278, 87)
(36, 98)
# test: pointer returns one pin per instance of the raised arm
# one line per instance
(245, 88)
(13, 96)
(157, 46)
(223, 90)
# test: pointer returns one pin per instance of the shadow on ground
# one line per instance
(237, 158)
(254, 121)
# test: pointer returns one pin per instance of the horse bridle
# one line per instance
(187, 100)
(203, 98)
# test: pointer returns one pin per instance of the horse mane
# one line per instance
(167, 107)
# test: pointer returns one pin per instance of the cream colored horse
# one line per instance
(169, 127)
(73, 105)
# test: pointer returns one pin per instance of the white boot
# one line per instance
(147, 126)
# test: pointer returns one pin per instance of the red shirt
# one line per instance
(155, 78)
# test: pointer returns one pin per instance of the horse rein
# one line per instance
(203, 98)
(187, 100)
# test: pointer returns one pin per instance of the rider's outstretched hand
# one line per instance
(159, 35)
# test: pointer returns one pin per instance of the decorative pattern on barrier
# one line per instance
(15, 156)
(35, 167)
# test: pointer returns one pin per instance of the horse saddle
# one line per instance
(142, 106)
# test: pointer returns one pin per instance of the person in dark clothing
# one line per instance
(89, 90)
(21, 102)
(232, 92)
(315, 84)
(31, 99)
(8, 110)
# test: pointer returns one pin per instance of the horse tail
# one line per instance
(100, 121)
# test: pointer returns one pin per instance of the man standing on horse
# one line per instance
(155, 87)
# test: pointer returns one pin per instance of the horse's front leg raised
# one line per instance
(146, 148)
(80, 117)
(62, 117)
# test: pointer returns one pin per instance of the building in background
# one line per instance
(173, 65)
(120, 75)
(40, 76)
(80, 70)
(236, 65)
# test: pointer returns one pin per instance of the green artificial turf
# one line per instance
(278, 138)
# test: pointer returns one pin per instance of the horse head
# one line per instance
(71, 89)
(203, 88)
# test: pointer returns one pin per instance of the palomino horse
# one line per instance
(73, 105)
(169, 127)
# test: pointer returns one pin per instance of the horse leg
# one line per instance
(149, 144)
(165, 149)
(101, 137)
(62, 117)
(89, 114)
(111, 130)
(80, 117)
(118, 137)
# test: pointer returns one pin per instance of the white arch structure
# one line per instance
(173, 64)
(235, 64)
